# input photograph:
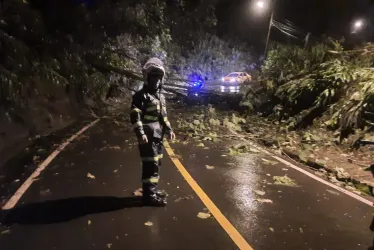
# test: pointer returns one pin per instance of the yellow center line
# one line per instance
(238, 239)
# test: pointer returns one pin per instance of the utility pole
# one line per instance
(270, 25)
(268, 36)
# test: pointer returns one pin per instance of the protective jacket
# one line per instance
(149, 116)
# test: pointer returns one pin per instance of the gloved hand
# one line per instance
(143, 140)
(172, 136)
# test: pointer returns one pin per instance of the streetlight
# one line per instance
(358, 25)
(260, 4)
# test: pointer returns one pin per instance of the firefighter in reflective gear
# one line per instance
(150, 122)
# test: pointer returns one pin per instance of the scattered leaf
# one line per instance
(109, 245)
(253, 150)
(212, 110)
(264, 200)
(89, 175)
(321, 162)
(115, 148)
(350, 188)
(268, 174)
(216, 140)
(203, 215)
(303, 156)
(115, 171)
(89, 222)
(259, 192)
(5, 232)
(178, 200)
(214, 122)
(269, 162)
(138, 192)
(45, 192)
(40, 150)
(341, 173)
(363, 188)
(148, 224)
(284, 180)
(332, 192)
(233, 152)
(209, 167)
(271, 229)
(301, 230)
(201, 145)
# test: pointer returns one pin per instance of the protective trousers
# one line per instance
(151, 155)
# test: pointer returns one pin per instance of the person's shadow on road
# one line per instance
(56, 211)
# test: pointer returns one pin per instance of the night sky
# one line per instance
(330, 17)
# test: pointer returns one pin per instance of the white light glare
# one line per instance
(359, 24)
(260, 4)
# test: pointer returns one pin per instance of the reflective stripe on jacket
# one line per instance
(148, 114)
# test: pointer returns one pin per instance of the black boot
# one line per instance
(154, 200)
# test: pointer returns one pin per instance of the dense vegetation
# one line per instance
(323, 81)
(61, 55)
(58, 56)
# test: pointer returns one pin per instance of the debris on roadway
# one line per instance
(203, 215)
(138, 192)
(209, 167)
(5, 232)
(148, 224)
(269, 162)
(259, 192)
(284, 181)
(91, 176)
(264, 200)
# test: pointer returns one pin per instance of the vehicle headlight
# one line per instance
(233, 80)
(222, 79)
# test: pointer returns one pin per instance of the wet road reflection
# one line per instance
(244, 180)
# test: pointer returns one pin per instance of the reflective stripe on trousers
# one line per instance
(151, 155)
(152, 159)
(153, 180)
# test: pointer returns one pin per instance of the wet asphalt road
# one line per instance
(64, 209)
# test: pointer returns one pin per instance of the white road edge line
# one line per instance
(22, 189)
(289, 164)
